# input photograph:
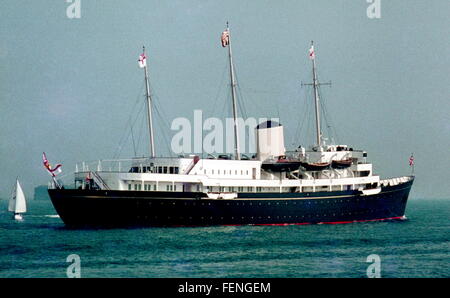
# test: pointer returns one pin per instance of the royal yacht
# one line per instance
(320, 184)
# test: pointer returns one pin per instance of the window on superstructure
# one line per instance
(177, 170)
(364, 173)
(129, 186)
(336, 187)
(164, 170)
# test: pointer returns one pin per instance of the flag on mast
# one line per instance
(225, 38)
(52, 171)
(142, 60)
(312, 55)
(411, 160)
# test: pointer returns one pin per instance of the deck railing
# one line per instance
(110, 165)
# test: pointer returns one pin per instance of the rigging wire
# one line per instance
(305, 114)
(160, 113)
(240, 98)
(219, 91)
(332, 133)
(132, 137)
(125, 135)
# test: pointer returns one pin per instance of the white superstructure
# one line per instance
(320, 168)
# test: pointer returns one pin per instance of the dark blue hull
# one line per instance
(145, 208)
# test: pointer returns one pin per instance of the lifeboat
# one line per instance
(317, 166)
(341, 164)
(281, 165)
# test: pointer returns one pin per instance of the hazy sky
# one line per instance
(70, 86)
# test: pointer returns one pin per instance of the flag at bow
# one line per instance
(312, 54)
(142, 60)
(52, 171)
(225, 38)
(411, 160)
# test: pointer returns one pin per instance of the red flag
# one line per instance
(312, 55)
(225, 39)
(56, 170)
(411, 161)
(142, 60)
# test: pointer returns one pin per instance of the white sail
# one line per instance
(12, 201)
(17, 203)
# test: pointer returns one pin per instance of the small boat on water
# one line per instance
(17, 202)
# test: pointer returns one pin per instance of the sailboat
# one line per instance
(17, 202)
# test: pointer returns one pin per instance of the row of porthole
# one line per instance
(277, 203)
(268, 217)
(260, 204)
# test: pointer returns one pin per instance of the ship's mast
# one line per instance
(316, 97)
(149, 110)
(316, 84)
(237, 154)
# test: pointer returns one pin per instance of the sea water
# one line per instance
(41, 244)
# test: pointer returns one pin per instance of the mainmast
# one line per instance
(312, 56)
(226, 41)
(143, 64)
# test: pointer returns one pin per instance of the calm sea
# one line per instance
(417, 247)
